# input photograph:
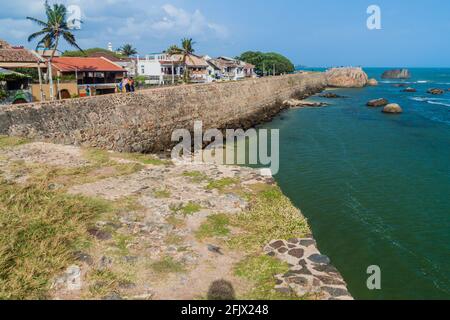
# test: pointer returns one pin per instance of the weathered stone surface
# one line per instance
(70, 280)
(294, 103)
(409, 89)
(298, 253)
(319, 259)
(331, 95)
(347, 78)
(377, 102)
(397, 74)
(392, 108)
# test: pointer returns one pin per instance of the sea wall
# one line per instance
(144, 121)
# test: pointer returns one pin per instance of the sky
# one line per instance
(314, 33)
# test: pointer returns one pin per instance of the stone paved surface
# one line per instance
(309, 270)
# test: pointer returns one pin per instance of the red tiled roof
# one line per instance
(16, 54)
(69, 64)
(109, 56)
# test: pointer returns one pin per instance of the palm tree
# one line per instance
(187, 49)
(127, 50)
(52, 30)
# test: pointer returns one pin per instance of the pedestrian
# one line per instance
(132, 89)
(126, 82)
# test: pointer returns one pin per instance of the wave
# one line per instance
(437, 101)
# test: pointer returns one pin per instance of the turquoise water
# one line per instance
(376, 187)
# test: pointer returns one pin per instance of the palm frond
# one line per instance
(39, 22)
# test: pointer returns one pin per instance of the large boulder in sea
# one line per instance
(392, 108)
(397, 74)
(346, 78)
(435, 91)
(377, 102)
(372, 82)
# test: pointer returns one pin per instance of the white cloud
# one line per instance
(179, 21)
(16, 29)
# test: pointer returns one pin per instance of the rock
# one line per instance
(70, 280)
(297, 253)
(319, 259)
(346, 78)
(435, 91)
(409, 89)
(399, 85)
(396, 74)
(330, 95)
(392, 108)
(372, 82)
(377, 103)
(292, 103)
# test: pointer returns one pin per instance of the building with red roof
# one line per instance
(93, 75)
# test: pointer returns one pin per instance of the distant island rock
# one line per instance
(393, 108)
(435, 91)
(347, 77)
(397, 74)
(377, 102)
(372, 82)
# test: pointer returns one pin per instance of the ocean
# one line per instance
(376, 187)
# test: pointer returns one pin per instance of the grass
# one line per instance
(188, 209)
(176, 222)
(143, 158)
(215, 226)
(196, 176)
(39, 232)
(222, 184)
(161, 193)
(167, 265)
(104, 282)
(271, 216)
(261, 271)
(8, 142)
(174, 240)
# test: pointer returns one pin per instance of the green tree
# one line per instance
(267, 63)
(52, 30)
(127, 50)
(187, 49)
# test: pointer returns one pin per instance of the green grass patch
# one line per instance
(261, 271)
(271, 216)
(39, 232)
(188, 209)
(8, 142)
(215, 226)
(174, 240)
(161, 193)
(196, 176)
(167, 265)
(176, 222)
(222, 184)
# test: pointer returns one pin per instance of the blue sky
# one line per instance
(314, 33)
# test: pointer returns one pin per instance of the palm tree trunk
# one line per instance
(52, 91)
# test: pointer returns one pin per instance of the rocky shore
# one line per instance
(165, 230)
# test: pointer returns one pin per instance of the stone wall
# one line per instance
(144, 121)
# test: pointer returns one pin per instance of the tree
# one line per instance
(127, 50)
(268, 63)
(187, 49)
(52, 30)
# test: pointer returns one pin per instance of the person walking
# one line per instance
(132, 89)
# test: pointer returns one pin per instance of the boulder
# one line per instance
(372, 82)
(346, 78)
(409, 89)
(392, 108)
(377, 102)
(397, 74)
(293, 103)
(399, 85)
(435, 91)
(330, 95)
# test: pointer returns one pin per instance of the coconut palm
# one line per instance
(187, 49)
(127, 50)
(52, 30)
